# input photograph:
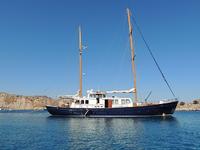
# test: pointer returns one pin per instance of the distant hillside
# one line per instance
(19, 102)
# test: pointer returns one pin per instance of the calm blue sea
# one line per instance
(38, 130)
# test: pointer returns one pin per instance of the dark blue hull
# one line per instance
(140, 111)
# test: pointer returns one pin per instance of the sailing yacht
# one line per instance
(101, 104)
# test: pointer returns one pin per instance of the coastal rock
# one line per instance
(19, 102)
(191, 106)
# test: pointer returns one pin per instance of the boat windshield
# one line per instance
(97, 95)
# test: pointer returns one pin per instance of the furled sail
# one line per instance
(122, 91)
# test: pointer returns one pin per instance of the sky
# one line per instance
(39, 46)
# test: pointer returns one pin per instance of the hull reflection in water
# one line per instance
(139, 111)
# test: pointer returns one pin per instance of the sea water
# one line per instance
(38, 130)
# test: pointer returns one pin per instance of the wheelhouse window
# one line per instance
(128, 101)
(77, 102)
(82, 101)
(101, 95)
(92, 95)
(116, 101)
(123, 101)
(86, 102)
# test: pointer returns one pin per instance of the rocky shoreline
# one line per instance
(20, 102)
(189, 106)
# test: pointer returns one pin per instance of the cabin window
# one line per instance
(116, 101)
(86, 102)
(82, 101)
(123, 101)
(99, 96)
(128, 101)
(97, 100)
(92, 95)
(77, 102)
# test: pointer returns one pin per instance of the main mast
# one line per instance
(132, 53)
(80, 62)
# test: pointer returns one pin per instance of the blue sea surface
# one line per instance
(38, 130)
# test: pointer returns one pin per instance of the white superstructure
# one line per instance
(99, 99)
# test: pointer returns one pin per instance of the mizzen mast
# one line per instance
(80, 62)
(132, 53)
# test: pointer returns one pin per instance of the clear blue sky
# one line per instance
(39, 46)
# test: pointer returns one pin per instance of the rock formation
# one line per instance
(19, 102)
(191, 106)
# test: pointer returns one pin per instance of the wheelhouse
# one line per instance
(99, 99)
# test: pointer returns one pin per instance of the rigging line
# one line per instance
(151, 53)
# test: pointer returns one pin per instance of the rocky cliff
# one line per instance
(19, 102)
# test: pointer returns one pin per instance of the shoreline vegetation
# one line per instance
(20, 102)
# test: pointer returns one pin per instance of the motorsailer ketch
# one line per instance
(99, 104)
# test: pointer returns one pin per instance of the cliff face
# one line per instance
(19, 102)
